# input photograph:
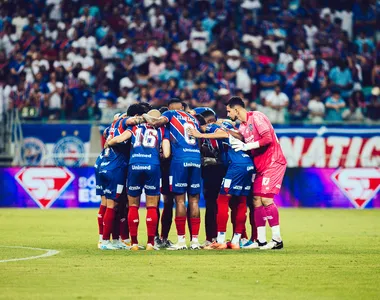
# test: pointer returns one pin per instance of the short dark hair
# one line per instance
(135, 109)
(174, 100)
(146, 106)
(208, 114)
(235, 101)
(163, 109)
(200, 119)
(185, 105)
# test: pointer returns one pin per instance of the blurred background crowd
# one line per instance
(297, 60)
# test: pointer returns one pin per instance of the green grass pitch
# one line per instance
(328, 254)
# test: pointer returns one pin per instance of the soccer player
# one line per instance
(260, 138)
(213, 171)
(185, 170)
(144, 173)
(112, 174)
(99, 187)
(236, 184)
(168, 197)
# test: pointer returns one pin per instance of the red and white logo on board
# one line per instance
(359, 185)
(44, 185)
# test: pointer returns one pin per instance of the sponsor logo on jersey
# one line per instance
(247, 188)
(237, 187)
(180, 185)
(194, 186)
(191, 150)
(44, 185)
(33, 151)
(138, 167)
(103, 164)
(250, 168)
(107, 191)
(187, 165)
(69, 151)
(359, 185)
(141, 155)
(99, 187)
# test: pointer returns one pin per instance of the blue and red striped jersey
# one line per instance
(146, 142)
(115, 129)
(184, 147)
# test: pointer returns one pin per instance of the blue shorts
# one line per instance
(113, 177)
(143, 176)
(185, 177)
(238, 180)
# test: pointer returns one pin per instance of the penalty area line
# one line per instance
(49, 252)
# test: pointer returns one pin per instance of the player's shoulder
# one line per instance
(211, 127)
(257, 116)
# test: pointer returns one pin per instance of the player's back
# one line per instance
(146, 142)
(120, 151)
(258, 125)
(184, 147)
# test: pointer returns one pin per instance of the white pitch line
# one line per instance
(48, 253)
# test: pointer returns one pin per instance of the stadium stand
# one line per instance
(296, 60)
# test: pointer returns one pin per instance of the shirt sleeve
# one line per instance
(168, 115)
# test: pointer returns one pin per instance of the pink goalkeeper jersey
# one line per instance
(256, 126)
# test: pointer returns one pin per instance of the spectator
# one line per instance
(275, 103)
(169, 72)
(298, 109)
(199, 38)
(104, 97)
(81, 102)
(203, 96)
(316, 110)
(268, 81)
(334, 107)
(341, 78)
(54, 97)
(126, 99)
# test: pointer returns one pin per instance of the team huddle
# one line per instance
(175, 152)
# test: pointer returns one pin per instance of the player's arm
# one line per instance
(166, 148)
(218, 134)
(265, 139)
(126, 135)
(156, 122)
(235, 134)
(135, 121)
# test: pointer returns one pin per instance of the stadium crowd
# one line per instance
(293, 60)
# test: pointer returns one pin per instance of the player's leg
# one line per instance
(110, 193)
(193, 192)
(103, 204)
(152, 191)
(123, 210)
(273, 181)
(259, 210)
(212, 179)
(135, 184)
(151, 220)
(123, 223)
(134, 220)
(168, 198)
(101, 212)
(178, 185)
(167, 218)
